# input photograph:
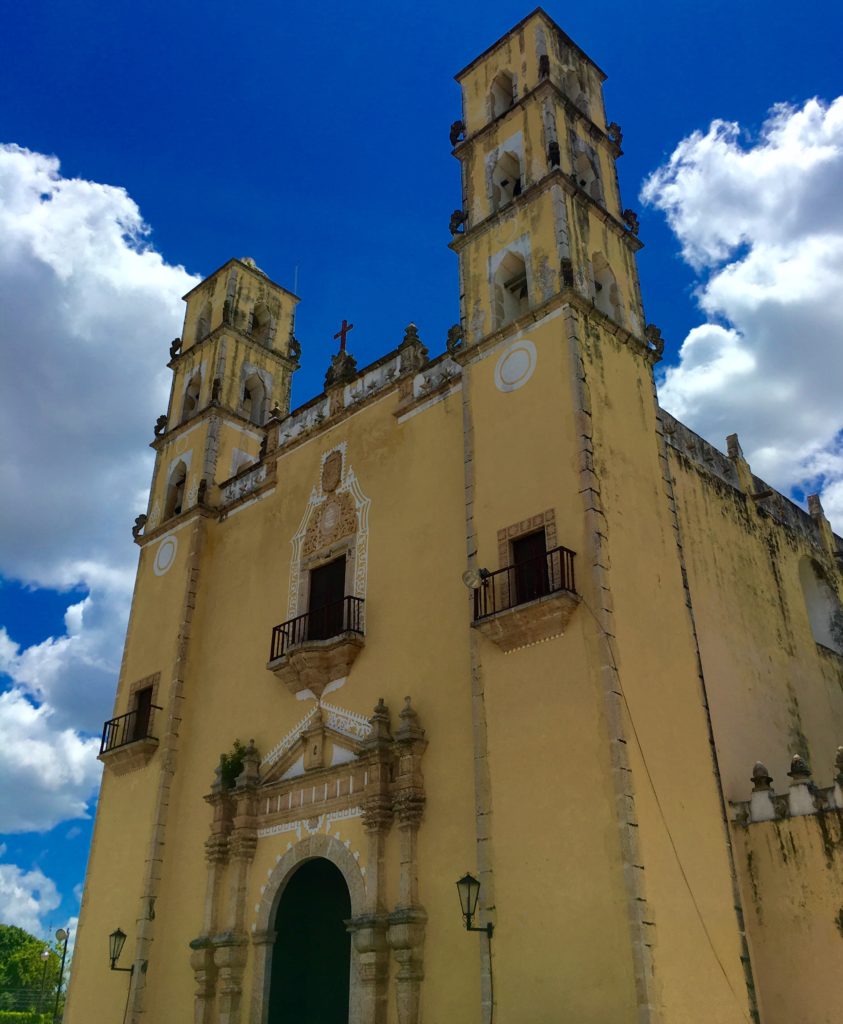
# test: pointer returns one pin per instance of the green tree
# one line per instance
(23, 970)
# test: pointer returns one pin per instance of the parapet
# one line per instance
(803, 796)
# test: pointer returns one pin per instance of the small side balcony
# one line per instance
(314, 649)
(129, 741)
(530, 601)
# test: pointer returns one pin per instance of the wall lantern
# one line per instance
(469, 891)
(116, 941)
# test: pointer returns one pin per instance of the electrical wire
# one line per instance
(673, 847)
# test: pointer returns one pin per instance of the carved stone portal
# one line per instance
(333, 765)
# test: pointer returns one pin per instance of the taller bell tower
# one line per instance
(541, 208)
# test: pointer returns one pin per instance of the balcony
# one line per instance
(527, 602)
(316, 648)
(128, 741)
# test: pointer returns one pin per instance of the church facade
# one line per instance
(491, 614)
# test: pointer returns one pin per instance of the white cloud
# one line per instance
(49, 774)
(89, 309)
(26, 897)
(761, 222)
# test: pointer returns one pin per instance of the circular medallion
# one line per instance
(165, 555)
(515, 365)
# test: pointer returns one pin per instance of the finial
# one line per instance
(800, 771)
(838, 764)
(761, 778)
(411, 335)
(409, 729)
(380, 722)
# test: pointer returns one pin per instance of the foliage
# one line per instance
(231, 765)
(22, 974)
(25, 1017)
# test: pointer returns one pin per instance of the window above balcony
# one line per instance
(530, 600)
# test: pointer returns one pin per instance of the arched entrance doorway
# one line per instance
(311, 957)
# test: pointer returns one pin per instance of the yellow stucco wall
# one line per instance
(574, 774)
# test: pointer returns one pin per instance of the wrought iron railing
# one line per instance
(528, 580)
(345, 616)
(135, 725)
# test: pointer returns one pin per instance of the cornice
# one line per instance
(568, 296)
(462, 149)
(287, 362)
(556, 176)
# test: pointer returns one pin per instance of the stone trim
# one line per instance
(263, 937)
(545, 520)
(596, 558)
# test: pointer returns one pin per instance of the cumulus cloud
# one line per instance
(48, 773)
(761, 222)
(89, 308)
(26, 897)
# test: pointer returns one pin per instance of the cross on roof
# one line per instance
(342, 332)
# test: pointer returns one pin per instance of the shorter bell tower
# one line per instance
(232, 368)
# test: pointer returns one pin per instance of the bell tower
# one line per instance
(232, 368)
(541, 209)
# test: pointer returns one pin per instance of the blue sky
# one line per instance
(314, 138)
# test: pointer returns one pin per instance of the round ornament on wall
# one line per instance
(515, 365)
(165, 555)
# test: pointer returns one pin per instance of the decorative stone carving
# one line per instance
(335, 519)
(140, 522)
(161, 426)
(406, 940)
(455, 338)
(175, 347)
(613, 130)
(761, 778)
(295, 348)
(343, 370)
(130, 757)
(332, 472)
(530, 623)
(630, 218)
(457, 133)
(457, 223)
(314, 663)
(413, 352)
(800, 771)
(655, 340)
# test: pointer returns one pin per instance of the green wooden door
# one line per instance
(311, 957)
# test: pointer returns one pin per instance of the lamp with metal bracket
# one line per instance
(468, 888)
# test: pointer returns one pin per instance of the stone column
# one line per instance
(369, 928)
(407, 921)
(230, 947)
(216, 857)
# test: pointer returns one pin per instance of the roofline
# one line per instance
(245, 266)
(543, 13)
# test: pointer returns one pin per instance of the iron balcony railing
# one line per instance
(528, 580)
(345, 616)
(135, 725)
